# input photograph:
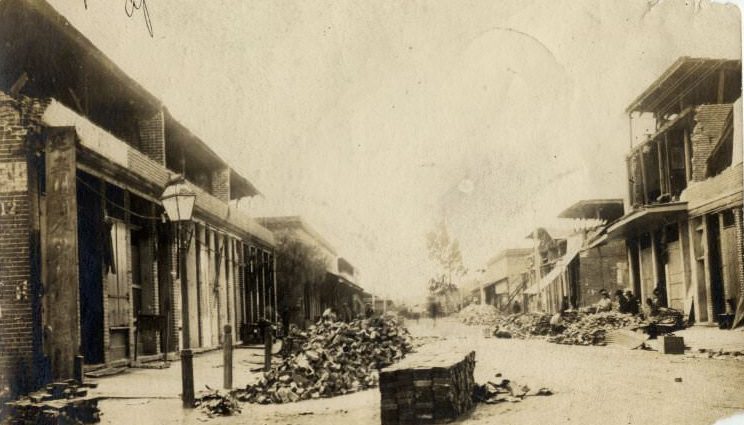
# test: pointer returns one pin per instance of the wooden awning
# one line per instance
(646, 219)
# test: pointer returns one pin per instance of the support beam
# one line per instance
(721, 86)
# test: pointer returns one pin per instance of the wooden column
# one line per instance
(643, 175)
(61, 284)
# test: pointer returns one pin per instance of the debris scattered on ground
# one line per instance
(722, 354)
(420, 341)
(427, 388)
(218, 403)
(505, 390)
(591, 329)
(479, 315)
(335, 358)
(64, 403)
(677, 379)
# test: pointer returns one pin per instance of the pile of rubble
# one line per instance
(479, 315)
(504, 390)
(522, 326)
(591, 329)
(335, 358)
(66, 403)
(217, 403)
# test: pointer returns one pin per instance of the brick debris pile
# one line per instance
(522, 326)
(335, 358)
(591, 329)
(479, 315)
(66, 403)
(427, 388)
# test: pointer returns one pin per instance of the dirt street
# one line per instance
(592, 385)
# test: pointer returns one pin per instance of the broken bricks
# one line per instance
(57, 403)
(504, 390)
(335, 358)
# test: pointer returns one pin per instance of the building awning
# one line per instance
(602, 209)
(645, 219)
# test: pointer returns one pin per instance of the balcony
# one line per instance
(660, 167)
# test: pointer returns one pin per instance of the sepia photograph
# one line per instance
(371, 212)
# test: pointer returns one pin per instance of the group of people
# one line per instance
(626, 302)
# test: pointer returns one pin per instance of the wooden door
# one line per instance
(118, 294)
(675, 276)
(647, 272)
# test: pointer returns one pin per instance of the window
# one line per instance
(728, 218)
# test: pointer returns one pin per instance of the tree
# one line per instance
(444, 251)
(300, 269)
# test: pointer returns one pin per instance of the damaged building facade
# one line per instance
(503, 279)
(683, 226)
(88, 261)
(304, 302)
(570, 261)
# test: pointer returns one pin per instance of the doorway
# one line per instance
(91, 237)
(715, 266)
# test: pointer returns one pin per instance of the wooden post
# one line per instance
(643, 176)
(228, 357)
(267, 346)
(78, 372)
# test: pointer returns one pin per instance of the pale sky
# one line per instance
(374, 119)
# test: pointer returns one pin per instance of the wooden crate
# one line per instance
(672, 344)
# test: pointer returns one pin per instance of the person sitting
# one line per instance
(650, 309)
(622, 302)
(633, 307)
(516, 308)
(556, 323)
(604, 303)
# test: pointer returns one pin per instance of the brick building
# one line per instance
(683, 229)
(88, 263)
(337, 289)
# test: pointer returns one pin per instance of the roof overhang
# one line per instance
(685, 72)
(241, 187)
(647, 218)
(604, 209)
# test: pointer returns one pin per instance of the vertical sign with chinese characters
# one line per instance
(62, 336)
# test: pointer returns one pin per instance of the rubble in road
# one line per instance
(479, 315)
(335, 358)
(522, 326)
(65, 403)
(505, 390)
(578, 328)
(217, 403)
(591, 329)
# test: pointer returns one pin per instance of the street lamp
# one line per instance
(178, 202)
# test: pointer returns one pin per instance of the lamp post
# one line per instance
(178, 202)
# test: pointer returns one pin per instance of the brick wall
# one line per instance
(709, 122)
(152, 137)
(702, 195)
(598, 268)
(16, 318)
(221, 184)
